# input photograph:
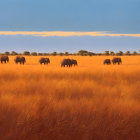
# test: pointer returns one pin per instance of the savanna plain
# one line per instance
(92, 101)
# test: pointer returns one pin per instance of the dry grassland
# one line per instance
(89, 102)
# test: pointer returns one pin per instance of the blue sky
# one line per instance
(71, 44)
(113, 16)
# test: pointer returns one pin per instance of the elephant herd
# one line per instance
(18, 59)
(22, 60)
(44, 60)
(115, 60)
(4, 59)
(69, 63)
(65, 62)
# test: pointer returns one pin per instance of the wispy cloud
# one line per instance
(64, 34)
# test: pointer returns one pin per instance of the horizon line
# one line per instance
(66, 33)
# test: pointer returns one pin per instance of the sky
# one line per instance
(69, 25)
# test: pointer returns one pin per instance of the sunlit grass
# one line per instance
(91, 101)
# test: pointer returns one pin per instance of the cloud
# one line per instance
(64, 33)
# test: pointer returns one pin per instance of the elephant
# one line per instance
(74, 62)
(116, 60)
(4, 59)
(66, 62)
(20, 60)
(107, 61)
(44, 60)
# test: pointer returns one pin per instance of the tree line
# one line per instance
(80, 52)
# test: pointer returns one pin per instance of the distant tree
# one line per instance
(106, 52)
(111, 53)
(26, 53)
(61, 54)
(45, 54)
(14, 53)
(66, 53)
(119, 53)
(90, 54)
(6, 53)
(99, 54)
(54, 53)
(34, 53)
(134, 53)
(82, 52)
(127, 52)
(40, 54)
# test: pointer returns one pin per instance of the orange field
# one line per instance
(89, 102)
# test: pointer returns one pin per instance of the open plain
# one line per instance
(92, 101)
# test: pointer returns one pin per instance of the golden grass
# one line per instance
(89, 102)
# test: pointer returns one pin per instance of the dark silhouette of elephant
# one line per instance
(116, 60)
(74, 62)
(66, 62)
(44, 60)
(4, 59)
(20, 60)
(107, 61)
